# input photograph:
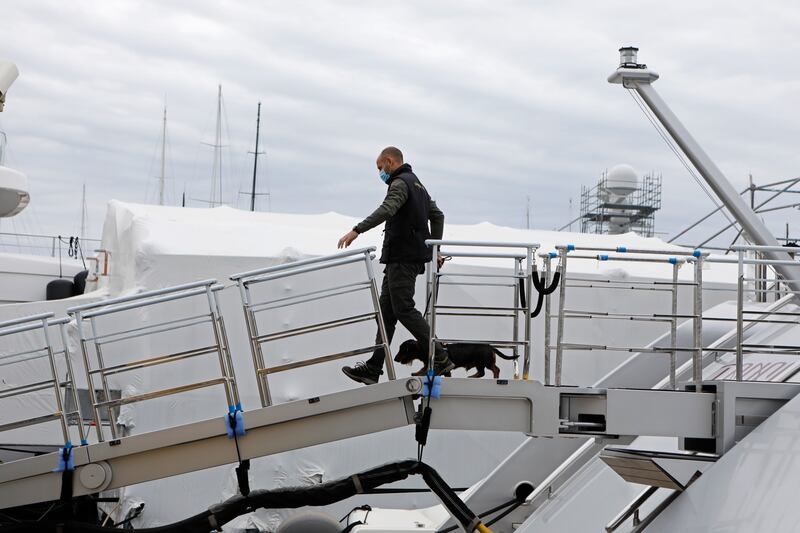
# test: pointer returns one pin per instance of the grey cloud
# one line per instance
(492, 101)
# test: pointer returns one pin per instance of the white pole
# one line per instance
(632, 75)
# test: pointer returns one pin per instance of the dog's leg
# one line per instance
(495, 371)
(479, 374)
(421, 372)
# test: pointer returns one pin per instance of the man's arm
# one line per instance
(396, 196)
(436, 218)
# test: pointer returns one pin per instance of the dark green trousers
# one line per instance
(397, 305)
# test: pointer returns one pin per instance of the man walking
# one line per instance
(407, 209)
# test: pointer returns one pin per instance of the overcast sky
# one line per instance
(491, 101)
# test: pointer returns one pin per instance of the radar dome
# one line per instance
(309, 522)
(622, 180)
(13, 192)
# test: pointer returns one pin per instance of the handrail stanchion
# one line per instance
(376, 301)
(562, 292)
(255, 347)
(432, 312)
(51, 358)
(739, 315)
(697, 366)
(548, 268)
(528, 285)
(673, 328)
(92, 394)
(230, 396)
(515, 350)
(71, 372)
(103, 378)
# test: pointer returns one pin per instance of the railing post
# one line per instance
(515, 350)
(433, 276)
(547, 318)
(528, 285)
(376, 302)
(255, 347)
(89, 377)
(228, 385)
(71, 372)
(103, 379)
(562, 266)
(56, 382)
(697, 354)
(739, 315)
(673, 328)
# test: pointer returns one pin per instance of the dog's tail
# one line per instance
(501, 355)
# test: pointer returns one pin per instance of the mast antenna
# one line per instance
(216, 169)
(255, 160)
(528, 212)
(162, 177)
(83, 213)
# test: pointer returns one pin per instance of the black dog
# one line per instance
(464, 355)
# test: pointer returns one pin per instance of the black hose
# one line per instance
(285, 498)
(487, 513)
(542, 290)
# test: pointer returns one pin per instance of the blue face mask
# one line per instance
(384, 176)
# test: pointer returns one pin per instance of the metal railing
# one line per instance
(252, 307)
(519, 280)
(95, 341)
(37, 244)
(674, 258)
(759, 289)
(42, 324)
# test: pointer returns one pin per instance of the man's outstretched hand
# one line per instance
(349, 237)
(440, 261)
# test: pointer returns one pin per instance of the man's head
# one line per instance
(389, 159)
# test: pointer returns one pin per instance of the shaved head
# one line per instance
(389, 159)
(392, 152)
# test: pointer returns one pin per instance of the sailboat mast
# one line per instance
(255, 161)
(162, 177)
(83, 213)
(217, 172)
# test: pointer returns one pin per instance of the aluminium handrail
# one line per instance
(93, 341)
(524, 268)
(673, 257)
(301, 262)
(246, 281)
(43, 322)
(141, 295)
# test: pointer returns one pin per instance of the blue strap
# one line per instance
(66, 459)
(673, 260)
(553, 255)
(570, 247)
(697, 253)
(602, 257)
(435, 390)
(234, 421)
(622, 249)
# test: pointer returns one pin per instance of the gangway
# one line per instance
(704, 416)
(466, 404)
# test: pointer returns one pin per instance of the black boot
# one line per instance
(363, 373)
